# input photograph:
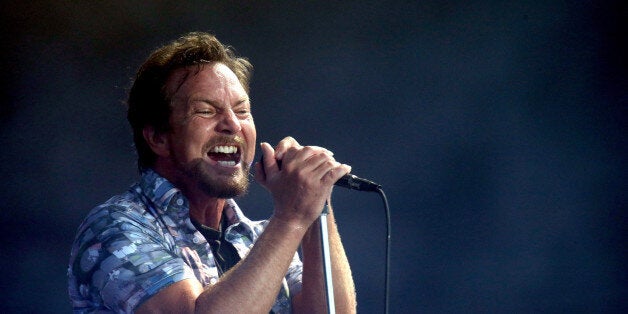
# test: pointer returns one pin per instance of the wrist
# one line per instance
(291, 224)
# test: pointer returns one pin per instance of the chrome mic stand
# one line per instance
(329, 285)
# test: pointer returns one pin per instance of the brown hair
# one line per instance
(149, 103)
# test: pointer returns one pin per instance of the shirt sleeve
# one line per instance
(123, 260)
(294, 275)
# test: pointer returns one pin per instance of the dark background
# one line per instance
(497, 128)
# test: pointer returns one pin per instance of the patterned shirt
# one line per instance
(137, 243)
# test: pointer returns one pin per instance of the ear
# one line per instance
(157, 141)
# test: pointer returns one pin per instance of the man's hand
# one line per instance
(303, 182)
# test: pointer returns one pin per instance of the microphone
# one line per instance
(353, 182)
(348, 181)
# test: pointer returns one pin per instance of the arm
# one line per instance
(312, 297)
(250, 287)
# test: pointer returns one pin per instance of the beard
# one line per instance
(218, 186)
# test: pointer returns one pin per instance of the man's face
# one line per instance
(212, 139)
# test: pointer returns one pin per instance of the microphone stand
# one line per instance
(329, 286)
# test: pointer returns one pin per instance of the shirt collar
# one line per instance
(169, 200)
(157, 189)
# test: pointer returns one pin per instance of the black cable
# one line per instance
(380, 191)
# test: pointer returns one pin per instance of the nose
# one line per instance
(229, 123)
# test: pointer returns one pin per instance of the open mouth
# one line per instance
(225, 155)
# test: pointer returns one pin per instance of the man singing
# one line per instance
(176, 242)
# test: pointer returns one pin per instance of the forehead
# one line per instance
(211, 79)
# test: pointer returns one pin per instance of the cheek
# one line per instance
(191, 140)
(185, 150)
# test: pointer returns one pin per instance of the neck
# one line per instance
(204, 209)
(207, 212)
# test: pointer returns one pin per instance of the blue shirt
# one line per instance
(137, 243)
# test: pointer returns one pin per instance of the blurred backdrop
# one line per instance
(497, 128)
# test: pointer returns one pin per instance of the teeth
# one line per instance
(227, 163)
(225, 149)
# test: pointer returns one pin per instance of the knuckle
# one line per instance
(289, 140)
(291, 150)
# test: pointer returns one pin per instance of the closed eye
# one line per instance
(205, 112)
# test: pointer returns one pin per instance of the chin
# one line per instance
(225, 190)
(220, 187)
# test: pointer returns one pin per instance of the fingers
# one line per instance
(306, 158)
(268, 163)
(289, 143)
(315, 162)
(269, 158)
(329, 171)
(284, 145)
(332, 172)
(301, 154)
